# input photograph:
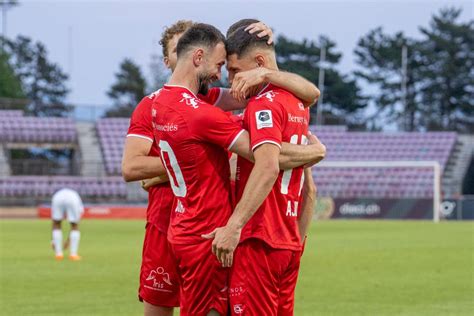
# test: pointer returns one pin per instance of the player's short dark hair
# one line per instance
(199, 34)
(240, 41)
(177, 28)
(239, 24)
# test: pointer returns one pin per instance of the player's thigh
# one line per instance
(254, 279)
(57, 211)
(74, 212)
(159, 279)
(204, 281)
(288, 285)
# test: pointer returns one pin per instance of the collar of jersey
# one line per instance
(180, 87)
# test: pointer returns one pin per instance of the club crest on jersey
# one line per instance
(264, 119)
(189, 100)
(269, 95)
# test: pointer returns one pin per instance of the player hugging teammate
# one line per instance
(200, 252)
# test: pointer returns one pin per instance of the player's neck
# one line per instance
(182, 77)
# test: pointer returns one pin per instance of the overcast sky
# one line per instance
(103, 33)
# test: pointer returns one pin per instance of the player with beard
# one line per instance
(193, 137)
(159, 288)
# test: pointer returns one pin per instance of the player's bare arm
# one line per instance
(309, 202)
(244, 82)
(260, 183)
(291, 155)
(136, 164)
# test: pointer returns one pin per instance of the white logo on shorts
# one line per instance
(153, 276)
(238, 309)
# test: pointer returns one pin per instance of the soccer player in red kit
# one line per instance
(266, 262)
(158, 286)
(193, 137)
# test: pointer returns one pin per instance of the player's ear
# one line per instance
(198, 57)
(166, 61)
(260, 60)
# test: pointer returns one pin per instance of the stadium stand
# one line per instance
(18, 128)
(103, 142)
(367, 182)
(20, 131)
(111, 133)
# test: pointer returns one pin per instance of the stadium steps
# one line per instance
(4, 166)
(457, 165)
(91, 156)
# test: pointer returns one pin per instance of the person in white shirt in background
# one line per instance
(66, 203)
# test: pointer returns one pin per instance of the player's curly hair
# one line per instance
(177, 28)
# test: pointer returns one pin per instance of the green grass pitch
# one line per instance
(349, 268)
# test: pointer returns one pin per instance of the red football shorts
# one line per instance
(159, 281)
(204, 282)
(263, 279)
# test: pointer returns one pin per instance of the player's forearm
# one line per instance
(228, 103)
(141, 168)
(293, 156)
(303, 89)
(309, 202)
(258, 186)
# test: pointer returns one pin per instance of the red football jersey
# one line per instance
(193, 138)
(275, 116)
(160, 197)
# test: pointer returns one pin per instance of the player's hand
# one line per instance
(247, 83)
(144, 184)
(225, 241)
(147, 184)
(262, 30)
(319, 149)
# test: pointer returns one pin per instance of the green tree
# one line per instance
(380, 58)
(448, 72)
(343, 101)
(43, 82)
(439, 78)
(10, 85)
(127, 91)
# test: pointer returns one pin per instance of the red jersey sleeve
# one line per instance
(141, 121)
(212, 97)
(265, 122)
(215, 126)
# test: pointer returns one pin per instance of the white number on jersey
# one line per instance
(285, 180)
(179, 189)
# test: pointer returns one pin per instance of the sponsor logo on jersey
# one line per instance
(264, 119)
(270, 95)
(189, 100)
(169, 127)
(297, 119)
